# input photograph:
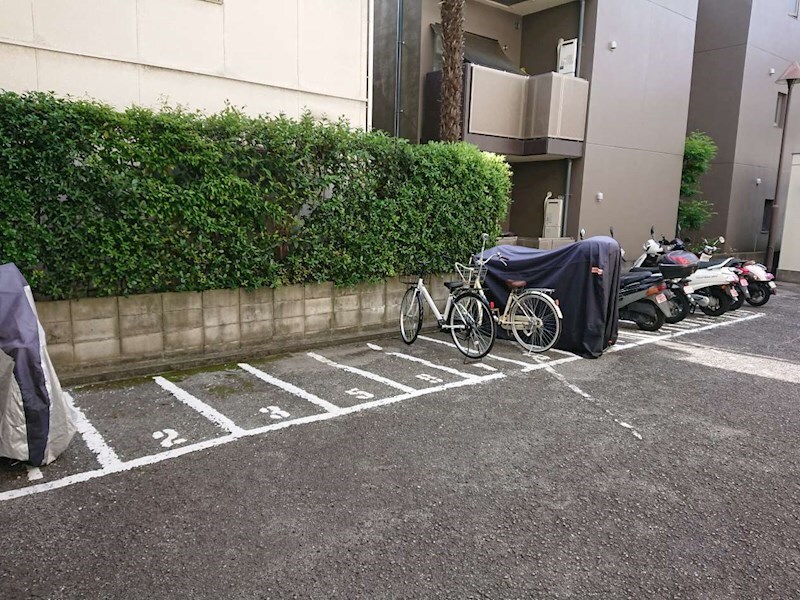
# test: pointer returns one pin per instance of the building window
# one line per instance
(794, 8)
(780, 109)
(766, 218)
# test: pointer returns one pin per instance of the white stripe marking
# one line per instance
(669, 336)
(356, 371)
(34, 473)
(374, 347)
(730, 361)
(94, 441)
(483, 366)
(292, 389)
(204, 409)
(432, 365)
(593, 400)
(490, 356)
(176, 452)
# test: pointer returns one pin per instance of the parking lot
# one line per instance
(666, 468)
(135, 423)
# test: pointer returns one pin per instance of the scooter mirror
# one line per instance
(721, 240)
(485, 237)
(611, 231)
(582, 233)
(652, 231)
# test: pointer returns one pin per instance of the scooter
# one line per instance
(712, 290)
(757, 283)
(643, 298)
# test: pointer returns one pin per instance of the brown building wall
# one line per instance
(734, 95)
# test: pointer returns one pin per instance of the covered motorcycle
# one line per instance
(36, 423)
(585, 280)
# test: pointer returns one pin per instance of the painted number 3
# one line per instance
(170, 438)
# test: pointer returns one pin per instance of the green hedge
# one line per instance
(100, 202)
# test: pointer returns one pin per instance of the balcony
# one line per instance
(540, 117)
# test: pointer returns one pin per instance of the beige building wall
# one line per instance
(790, 250)
(267, 56)
(638, 106)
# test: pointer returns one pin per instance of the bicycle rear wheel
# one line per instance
(410, 315)
(535, 321)
(471, 325)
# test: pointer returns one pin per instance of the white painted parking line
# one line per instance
(292, 389)
(374, 347)
(594, 401)
(644, 342)
(94, 441)
(427, 363)
(210, 413)
(771, 368)
(360, 372)
(204, 445)
(483, 366)
(490, 356)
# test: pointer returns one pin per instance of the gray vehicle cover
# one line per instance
(585, 280)
(36, 422)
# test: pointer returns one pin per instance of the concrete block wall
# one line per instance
(96, 338)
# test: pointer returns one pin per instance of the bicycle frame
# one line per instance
(440, 317)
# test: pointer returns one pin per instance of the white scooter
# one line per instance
(711, 289)
(753, 277)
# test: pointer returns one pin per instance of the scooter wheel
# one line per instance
(651, 323)
(737, 304)
(759, 293)
(679, 307)
(720, 302)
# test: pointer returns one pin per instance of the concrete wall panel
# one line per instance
(773, 30)
(261, 41)
(210, 94)
(760, 138)
(96, 27)
(183, 34)
(685, 8)
(746, 210)
(640, 189)
(18, 66)
(332, 38)
(645, 81)
(116, 83)
(790, 248)
(715, 98)
(722, 24)
(17, 20)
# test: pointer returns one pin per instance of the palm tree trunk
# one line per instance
(452, 14)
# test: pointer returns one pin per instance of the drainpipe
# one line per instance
(398, 69)
(568, 183)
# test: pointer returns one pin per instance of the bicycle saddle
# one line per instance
(516, 284)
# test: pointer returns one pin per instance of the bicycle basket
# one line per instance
(471, 274)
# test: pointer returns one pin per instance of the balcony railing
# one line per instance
(541, 116)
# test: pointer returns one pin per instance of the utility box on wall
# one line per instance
(553, 211)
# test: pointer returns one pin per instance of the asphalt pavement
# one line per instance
(668, 468)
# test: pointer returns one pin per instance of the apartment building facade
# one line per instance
(741, 49)
(588, 99)
(265, 56)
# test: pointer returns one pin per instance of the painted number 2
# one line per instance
(170, 438)
(274, 412)
(360, 394)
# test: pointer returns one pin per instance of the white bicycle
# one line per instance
(531, 314)
(466, 316)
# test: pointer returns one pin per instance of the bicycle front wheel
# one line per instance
(535, 321)
(410, 315)
(471, 325)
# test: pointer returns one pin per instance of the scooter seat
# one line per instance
(629, 278)
(712, 263)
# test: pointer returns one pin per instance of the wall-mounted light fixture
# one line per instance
(612, 45)
(772, 71)
(758, 180)
(599, 196)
